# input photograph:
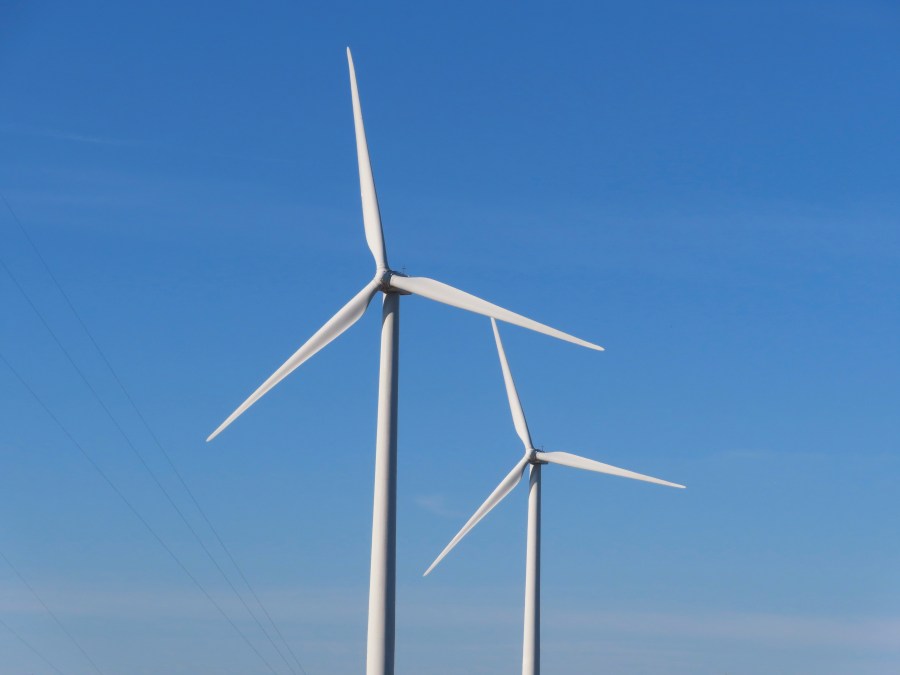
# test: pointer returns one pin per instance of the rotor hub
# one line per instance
(385, 283)
(533, 458)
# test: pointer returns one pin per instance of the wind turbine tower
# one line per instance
(380, 641)
(534, 459)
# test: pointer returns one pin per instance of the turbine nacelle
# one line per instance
(386, 286)
(386, 280)
(531, 457)
(382, 584)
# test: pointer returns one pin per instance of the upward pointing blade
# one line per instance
(576, 462)
(506, 486)
(348, 315)
(435, 290)
(515, 405)
(371, 214)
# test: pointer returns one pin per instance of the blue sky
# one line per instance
(709, 191)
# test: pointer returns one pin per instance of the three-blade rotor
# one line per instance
(531, 456)
(385, 280)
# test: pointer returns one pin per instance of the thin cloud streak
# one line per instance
(865, 632)
(71, 137)
(437, 505)
(68, 136)
(322, 605)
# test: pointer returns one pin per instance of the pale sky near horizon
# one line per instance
(708, 190)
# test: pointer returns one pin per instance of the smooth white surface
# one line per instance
(383, 569)
(531, 642)
(506, 486)
(348, 315)
(576, 462)
(531, 648)
(382, 586)
(515, 406)
(440, 292)
(531, 455)
(371, 212)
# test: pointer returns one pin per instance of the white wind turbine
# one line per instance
(380, 641)
(531, 649)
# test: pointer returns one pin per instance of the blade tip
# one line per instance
(673, 485)
(218, 431)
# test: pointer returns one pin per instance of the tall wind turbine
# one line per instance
(380, 642)
(531, 649)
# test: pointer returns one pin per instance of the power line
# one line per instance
(133, 448)
(134, 510)
(50, 612)
(156, 440)
(30, 646)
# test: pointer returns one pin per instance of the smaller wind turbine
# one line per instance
(531, 648)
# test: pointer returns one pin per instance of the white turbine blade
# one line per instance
(348, 315)
(567, 459)
(435, 290)
(371, 214)
(506, 486)
(515, 406)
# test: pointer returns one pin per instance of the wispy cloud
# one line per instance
(69, 136)
(74, 137)
(761, 454)
(436, 504)
(867, 632)
(96, 140)
(766, 455)
(310, 611)
(317, 605)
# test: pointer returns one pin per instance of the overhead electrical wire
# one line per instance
(136, 452)
(156, 441)
(140, 457)
(30, 646)
(51, 613)
(115, 488)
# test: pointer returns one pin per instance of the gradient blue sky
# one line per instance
(709, 190)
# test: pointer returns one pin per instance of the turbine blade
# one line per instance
(515, 406)
(576, 462)
(371, 214)
(506, 486)
(348, 315)
(435, 290)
